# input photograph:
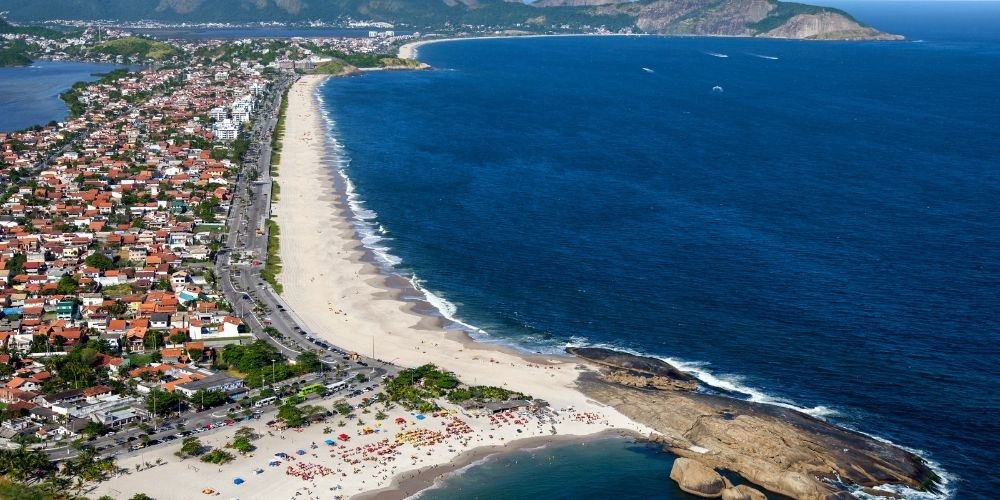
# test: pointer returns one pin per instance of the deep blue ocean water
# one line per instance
(822, 233)
(29, 95)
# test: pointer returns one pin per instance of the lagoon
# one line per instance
(29, 95)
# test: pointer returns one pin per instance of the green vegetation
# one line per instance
(38, 31)
(272, 265)
(260, 363)
(72, 96)
(787, 10)
(14, 54)
(190, 447)
(217, 457)
(291, 415)
(142, 48)
(276, 136)
(162, 402)
(415, 388)
(334, 67)
(209, 399)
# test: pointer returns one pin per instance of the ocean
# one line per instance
(29, 95)
(807, 224)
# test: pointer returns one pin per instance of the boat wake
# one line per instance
(716, 54)
(647, 70)
(761, 56)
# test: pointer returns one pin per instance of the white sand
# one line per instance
(345, 301)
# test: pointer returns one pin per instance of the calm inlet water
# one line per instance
(30, 95)
(819, 231)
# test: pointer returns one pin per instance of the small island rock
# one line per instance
(742, 492)
(696, 478)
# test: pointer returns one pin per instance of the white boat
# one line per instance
(647, 70)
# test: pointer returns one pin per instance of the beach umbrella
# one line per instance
(238, 481)
(301, 452)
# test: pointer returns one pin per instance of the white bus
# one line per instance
(265, 402)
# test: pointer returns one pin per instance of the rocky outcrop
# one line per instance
(622, 377)
(697, 479)
(742, 492)
(826, 26)
(635, 364)
(776, 448)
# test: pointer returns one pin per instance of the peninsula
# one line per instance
(747, 18)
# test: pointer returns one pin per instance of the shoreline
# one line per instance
(409, 50)
(408, 484)
(384, 285)
(334, 283)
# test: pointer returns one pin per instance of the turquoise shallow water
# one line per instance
(606, 468)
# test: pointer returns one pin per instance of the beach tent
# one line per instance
(274, 461)
(301, 452)
(400, 420)
(208, 491)
(258, 471)
(420, 417)
(343, 437)
(238, 481)
(281, 454)
(329, 442)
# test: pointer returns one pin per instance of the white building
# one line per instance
(218, 114)
(225, 130)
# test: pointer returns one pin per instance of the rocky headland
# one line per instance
(779, 449)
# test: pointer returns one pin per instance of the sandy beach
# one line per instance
(349, 303)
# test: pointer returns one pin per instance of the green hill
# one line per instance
(688, 17)
(142, 48)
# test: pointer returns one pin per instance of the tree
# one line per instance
(153, 339)
(190, 447)
(178, 338)
(291, 415)
(99, 260)
(246, 432)
(209, 399)
(67, 285)
(162, 402)
(93, 429)
(141, 496)
(242, 445)
(342, 407)
(308, 362)
(217, 457)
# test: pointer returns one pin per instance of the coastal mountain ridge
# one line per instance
(748, 18)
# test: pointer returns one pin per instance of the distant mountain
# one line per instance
(768, 18)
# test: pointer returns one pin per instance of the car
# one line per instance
(153, 442)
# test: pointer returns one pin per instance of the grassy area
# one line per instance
(132, 46)
(334, 67)
(209, 228)
(275, 191)
(117, 290)
(272, 265)
(787, 10)
(279, 130)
